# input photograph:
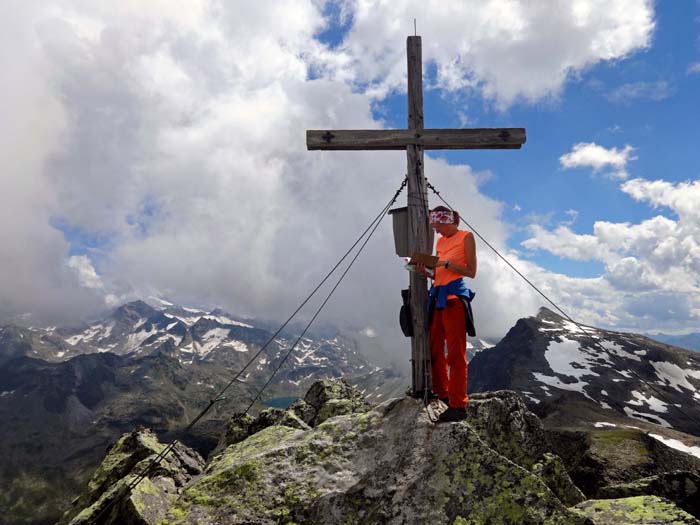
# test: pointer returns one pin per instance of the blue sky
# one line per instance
(660, 121)
(153, 151)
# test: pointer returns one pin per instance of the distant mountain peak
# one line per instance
(546, 313)
(135, 309)
(549, 359)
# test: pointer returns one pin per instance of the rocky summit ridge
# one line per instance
(333, 458)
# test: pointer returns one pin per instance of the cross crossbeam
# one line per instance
(393, 139)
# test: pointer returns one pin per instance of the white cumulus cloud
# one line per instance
(651, 268)
(87, 276)
(590, 154)
(508, 50)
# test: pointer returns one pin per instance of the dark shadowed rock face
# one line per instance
(599, 458)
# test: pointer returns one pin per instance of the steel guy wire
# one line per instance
(171, 446)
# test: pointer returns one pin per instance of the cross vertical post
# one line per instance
(418, 225)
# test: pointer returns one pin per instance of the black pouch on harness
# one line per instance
(405, 317)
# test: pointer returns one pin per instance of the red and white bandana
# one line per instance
(442, 217)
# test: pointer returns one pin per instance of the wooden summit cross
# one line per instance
(414, 140)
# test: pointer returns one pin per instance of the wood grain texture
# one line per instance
(393, 139)
(414, 55)
(418, 225)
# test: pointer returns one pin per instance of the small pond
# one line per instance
(280, 402)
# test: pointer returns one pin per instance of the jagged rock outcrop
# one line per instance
(329, 398)
(325, 399)
(503, 421)
(106, 500)
(385, 464)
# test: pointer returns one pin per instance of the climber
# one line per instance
(449, 312)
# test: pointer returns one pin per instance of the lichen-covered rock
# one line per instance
(336, 407)
(331, 397)
(680, 487)
(503, 421)
(633, 511)
(130, 457)
(389, 465)
(238, 428)
(241, 426)
(325, 399)
(552, 471)
(303, 411)
(327, 389)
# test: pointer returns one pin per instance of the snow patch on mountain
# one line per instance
(555, 382)
(211, 339)
(568, 358)
(654, 404)
(226, 321)
(677, 445)
(95, 332)
(616, 349)
(189, 321)
(675, 376)
(238, 346)
(193, 310)
(135, 339)
(646, 417)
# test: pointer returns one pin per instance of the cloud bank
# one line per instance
(651, 276)
(151, 150)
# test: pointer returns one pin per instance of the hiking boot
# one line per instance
(453, 414)
(433, 396)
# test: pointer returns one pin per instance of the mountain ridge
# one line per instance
(547, 356)
(70, 392)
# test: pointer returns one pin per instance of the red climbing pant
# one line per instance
(449, 325)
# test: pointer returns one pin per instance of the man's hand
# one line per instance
(420, 268)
